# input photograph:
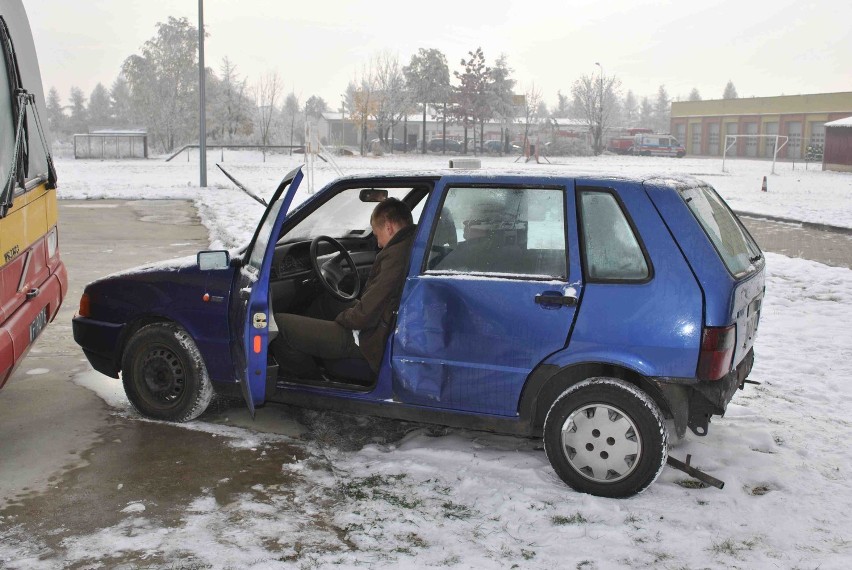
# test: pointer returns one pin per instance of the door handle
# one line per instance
(555, 298)
(33, 293)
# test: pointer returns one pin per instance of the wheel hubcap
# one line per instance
(163, 374)
(601, 443)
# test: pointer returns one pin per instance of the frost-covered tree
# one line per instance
(231, 106)
(266, 95)
(79, 119)
(596, 104)
(428, 79)
(694, 95)
(730, 91)
(471, 101)
(56, 118)
(629, 109)
(315, 106)
(500, 89)
(163, 82)
(563, 105)
(646, 112)
(121, 104)
(292, 117)
(662, 110)
(100, 113)
(391, 99)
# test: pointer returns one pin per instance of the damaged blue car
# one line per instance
(604, 313)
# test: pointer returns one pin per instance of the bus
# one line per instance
(33, 279)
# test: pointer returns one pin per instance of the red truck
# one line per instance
(624, 144)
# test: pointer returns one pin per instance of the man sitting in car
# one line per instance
(361, 330)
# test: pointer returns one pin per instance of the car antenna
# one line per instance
(241, 187)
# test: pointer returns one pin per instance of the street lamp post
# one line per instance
(202, 127)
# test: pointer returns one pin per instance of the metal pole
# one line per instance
(202, 127)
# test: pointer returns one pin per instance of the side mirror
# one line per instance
(213, 260)
(373, 195)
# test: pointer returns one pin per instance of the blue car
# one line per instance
(602, 312)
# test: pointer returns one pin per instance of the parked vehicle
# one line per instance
(657, 145)
(493, 146)
(439, 145)
(33, 277)
(599, 308)
(624, 144)
(397, 144)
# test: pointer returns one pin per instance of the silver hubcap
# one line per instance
(601, 443)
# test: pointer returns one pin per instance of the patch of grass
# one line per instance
(374, 487)
(528, 554)
(576, 518)
(691, 484)
(731, 547)
(760, 490)
(456, 511)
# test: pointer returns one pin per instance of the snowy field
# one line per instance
(463, 499)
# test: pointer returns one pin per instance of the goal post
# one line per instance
(731, 140)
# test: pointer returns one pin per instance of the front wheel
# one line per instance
(164, 374)
(606, 437)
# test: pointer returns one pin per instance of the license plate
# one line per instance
(38, 324)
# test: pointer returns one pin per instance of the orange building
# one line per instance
(702, 126)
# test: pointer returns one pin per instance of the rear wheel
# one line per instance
(606, 437)
(164, 375)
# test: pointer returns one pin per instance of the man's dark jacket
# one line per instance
(372, 314)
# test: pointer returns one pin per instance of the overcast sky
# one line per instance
(766, 47)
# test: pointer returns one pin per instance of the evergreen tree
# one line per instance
(121, 103)
(694, 95)
(56, 119)
(501, 95)
(78, 122)
(292, 118)
(730, 91)
(630, 110)
(662, 111)
(472, 93)
(315, 106)
(563, 105)
(100, 114)
(427, 77)
(646, 112)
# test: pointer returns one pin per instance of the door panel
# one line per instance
(475, 323)
(250, 308)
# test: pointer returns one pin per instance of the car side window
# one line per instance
(509, 232)
(610, 246)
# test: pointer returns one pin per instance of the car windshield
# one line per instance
(736, 247)
(343, 215)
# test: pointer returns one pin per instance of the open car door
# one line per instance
(250, 304)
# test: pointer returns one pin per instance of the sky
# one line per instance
(766, 47)
(357, 494)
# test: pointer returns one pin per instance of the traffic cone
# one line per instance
(763, 187)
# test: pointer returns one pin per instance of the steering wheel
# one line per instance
(331, 272)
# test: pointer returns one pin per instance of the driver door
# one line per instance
(250, 307)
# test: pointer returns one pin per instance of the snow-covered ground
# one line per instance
(455, 498)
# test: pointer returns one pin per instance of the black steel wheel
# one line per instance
(164, 375)
(606, 437)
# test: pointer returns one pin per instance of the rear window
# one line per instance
(736, 247)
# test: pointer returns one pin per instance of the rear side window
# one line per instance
(736, 247)
(610, 246)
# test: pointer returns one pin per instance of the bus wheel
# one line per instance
(606, 437)
(164, 375)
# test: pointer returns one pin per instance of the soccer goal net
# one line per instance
(749, 146)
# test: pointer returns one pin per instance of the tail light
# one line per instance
(84, 305)
(717, 351)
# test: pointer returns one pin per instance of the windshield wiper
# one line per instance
(241, 187)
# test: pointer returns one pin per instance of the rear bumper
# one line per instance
(99, 341)
(693, 403)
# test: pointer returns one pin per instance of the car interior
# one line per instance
(323, 259)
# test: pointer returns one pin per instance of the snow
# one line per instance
(456, 498)
(847, 122)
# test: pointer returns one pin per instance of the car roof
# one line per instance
(526, 176)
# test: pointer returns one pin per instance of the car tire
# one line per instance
(606, 437)
(164, 375)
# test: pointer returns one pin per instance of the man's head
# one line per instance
(389, 216)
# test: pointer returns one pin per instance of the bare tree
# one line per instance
(532, 99)
(596, 104)
(391, 98)
(360, 102)
(291, 115)
(267, 91)
(231, 109)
